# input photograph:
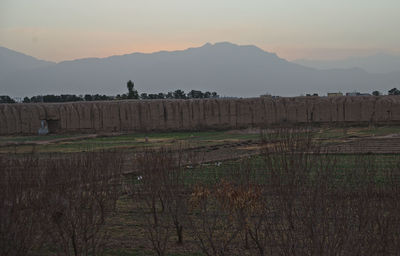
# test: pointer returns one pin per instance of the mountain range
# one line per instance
(229, 69)
(377, 63)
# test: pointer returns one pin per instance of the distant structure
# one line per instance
(334, 94)
(267, 96)
(44, 129)
(357, 94)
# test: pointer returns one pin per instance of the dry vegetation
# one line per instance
(297, 200)
(57, 206)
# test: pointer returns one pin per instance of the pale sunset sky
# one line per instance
(59, 30)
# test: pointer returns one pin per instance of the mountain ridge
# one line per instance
(229, 69)
(13, 61)
(376, 63)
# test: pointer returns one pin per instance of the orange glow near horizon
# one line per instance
(312, 29)
(286, 52)
(147, 48)
(69, 44)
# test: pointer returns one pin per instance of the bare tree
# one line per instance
(150, 197)
(20, 225)
(81, 193)
(212, 217)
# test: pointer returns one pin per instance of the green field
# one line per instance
(132, 141)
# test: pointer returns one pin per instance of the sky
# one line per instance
(59, 30)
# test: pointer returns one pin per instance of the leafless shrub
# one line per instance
(160, 194)
(213, 219)
(19, 218)
(316, 208)
(176, 193)
(81, 192)
(58, 201)
(154, 167)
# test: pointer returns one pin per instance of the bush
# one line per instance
(61, 203)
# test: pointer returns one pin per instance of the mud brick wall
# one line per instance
(177, 115)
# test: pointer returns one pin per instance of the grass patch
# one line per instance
(126, 141)
(213, 173)
(37, 138)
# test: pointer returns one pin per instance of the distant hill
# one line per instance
(12, 62)
(229, 69)
(378, 63)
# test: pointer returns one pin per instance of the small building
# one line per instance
(334, 94)
(267, 95)
(357, 94)
(352, 94)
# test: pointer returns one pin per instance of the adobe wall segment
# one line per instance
(177, 115)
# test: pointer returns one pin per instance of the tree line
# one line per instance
(131, 94)
(177, 94)
(134, 94)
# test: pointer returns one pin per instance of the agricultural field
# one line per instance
(75, 143)
(81, 143)
(249, 192)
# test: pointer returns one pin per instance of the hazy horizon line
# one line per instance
(367, 52)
